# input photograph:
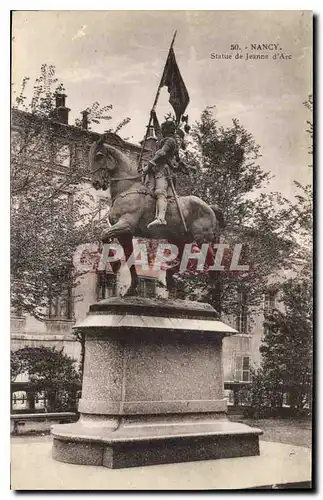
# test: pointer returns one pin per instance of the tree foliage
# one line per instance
(287, 354)
(228, 175)
(50, 371)
(299, 212)
(287, 344)
(287, 347)
(52, 208)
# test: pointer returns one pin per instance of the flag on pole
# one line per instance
(173, 80)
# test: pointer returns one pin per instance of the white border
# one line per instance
(4, 198)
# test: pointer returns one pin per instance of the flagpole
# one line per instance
(154, 106)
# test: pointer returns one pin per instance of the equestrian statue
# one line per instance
(157, 213)
(144, 200)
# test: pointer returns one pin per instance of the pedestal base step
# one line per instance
(124, 448)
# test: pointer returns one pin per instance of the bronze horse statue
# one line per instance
(133, 207)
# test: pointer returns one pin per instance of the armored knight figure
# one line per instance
(164, 164)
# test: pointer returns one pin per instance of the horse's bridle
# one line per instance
(115, 179)
(96, 170)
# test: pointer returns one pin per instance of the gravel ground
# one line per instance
(297, 432)
(287, 431)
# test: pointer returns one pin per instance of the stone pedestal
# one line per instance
(152, 388)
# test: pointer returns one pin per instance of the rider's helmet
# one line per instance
(168, 128)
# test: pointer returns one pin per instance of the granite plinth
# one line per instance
(140, 443)
(152, 388)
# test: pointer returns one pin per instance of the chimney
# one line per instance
(60, 100)
(61, 110)
(85, 120)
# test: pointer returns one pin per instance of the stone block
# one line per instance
(153, 389)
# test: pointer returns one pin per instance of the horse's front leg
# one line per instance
(122, 227)
(127, 245)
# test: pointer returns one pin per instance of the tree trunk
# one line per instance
(30, 400)
(51, 400)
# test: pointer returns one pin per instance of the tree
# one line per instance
(52, 211)
(80, 337)
(51, 372)
(299, 212)
(228, 175)
(287, 344)
(286, 350)
(265, 396)
(287, 347)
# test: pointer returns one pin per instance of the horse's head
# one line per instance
(105, 160)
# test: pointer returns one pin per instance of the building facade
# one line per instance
(98, 282)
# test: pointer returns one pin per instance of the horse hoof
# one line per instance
(131, 292)
(171, 293)
(105, 239)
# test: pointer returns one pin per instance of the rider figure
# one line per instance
(162, 165)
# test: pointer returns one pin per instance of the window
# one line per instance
(107, 284)
(229, 396)
(270, 300)
(286, 399)
(63, 156)
(242, 315)
(102, 207)
(61, 304)
(61, 307)
(16, 141)
(67, 198)
(269, 306)
(242, 369)
(99, 209)
(70, 202)
(245, 344)
(146, 287)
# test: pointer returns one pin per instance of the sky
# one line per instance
(117, 57)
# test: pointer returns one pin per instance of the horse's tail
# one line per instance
(219, 215)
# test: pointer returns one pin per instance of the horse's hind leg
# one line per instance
(202, 230)
(171, 284)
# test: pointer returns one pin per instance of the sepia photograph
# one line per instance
(161, 250)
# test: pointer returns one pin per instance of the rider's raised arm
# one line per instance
(156, 125)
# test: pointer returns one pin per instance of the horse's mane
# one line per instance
(116, 146)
